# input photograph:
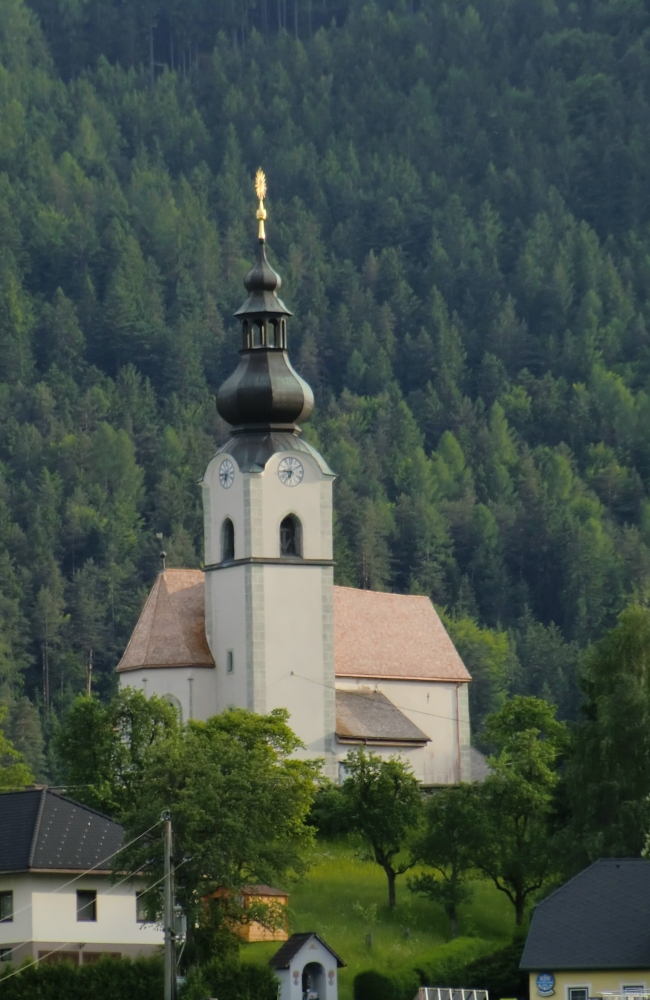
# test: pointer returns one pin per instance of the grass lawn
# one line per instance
(344, 900)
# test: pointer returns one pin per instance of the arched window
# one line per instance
(227, 540)
(175, 703)
(291, 536)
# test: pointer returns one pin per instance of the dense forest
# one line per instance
(459, 208)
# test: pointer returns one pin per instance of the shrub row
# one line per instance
(466, 963)
(106, 979)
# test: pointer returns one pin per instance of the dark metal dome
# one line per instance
(264, 392)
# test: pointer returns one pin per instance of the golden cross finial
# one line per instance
(260, 191)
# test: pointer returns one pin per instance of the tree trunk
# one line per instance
(452, 913)
(390, 875)
(520, 906)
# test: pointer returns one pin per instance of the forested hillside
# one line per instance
(459, 208)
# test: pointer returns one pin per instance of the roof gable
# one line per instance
(397, 636)
(171, 628)
(43, 831)
(285, 955)
(598, 920)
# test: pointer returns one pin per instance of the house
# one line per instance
(591, 937)
(262, 626)
(278, 902)
(58, 899)
(307, 968)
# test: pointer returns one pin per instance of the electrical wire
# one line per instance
(65, 944)
(362, 694)
(102, 862)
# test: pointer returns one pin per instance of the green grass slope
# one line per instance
(343, 898)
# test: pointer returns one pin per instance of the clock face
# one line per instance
(226, 473)
(290, 471)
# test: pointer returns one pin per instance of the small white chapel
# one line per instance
(262, 626)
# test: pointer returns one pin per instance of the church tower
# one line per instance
(267, 499)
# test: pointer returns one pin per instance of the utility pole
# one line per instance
(168, 912)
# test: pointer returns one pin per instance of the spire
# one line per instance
(264, 392)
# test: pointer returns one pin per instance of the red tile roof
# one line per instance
(376, 635)
(171, 628)
(396, 636)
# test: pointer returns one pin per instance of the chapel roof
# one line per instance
(376, 635)
(597, 920)
(171, 628)
(366, 716)
(284, 955)
(392, 636)
(41, 830)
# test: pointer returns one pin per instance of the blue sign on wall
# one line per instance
(545, 984)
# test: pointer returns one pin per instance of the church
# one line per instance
(262, 626)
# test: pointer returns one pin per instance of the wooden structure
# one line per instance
(252, 930)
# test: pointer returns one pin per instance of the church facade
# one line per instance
(263, 626)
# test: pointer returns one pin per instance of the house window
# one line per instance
(141, 914)
(230, 662)
(86, 904)
(635, 989)
(290, 536)
(227, 541)
(6, 907)
(5, 954)
(578, 993)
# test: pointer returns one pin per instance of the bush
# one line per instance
(373, 985)
(230, 981)
(499, 973)
(451, 965)
(328, 813)
(106, 979)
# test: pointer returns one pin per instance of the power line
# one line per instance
(65, 944)
(90, 870)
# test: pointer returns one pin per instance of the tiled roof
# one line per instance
(284, 955)
(171, 629)
(397, 636)
(43, 831)
(376, 635)
(262, 890)
(370, 717)
(598, 920)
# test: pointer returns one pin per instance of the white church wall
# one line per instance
(194, 688)
(294, 651)
(439, 709)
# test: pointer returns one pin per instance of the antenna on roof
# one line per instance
(163, 554)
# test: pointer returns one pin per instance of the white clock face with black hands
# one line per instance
(226, 473)
(290, 471)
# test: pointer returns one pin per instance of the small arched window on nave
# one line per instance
(291, 536)
(227, 541)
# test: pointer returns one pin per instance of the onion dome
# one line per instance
(264, 392)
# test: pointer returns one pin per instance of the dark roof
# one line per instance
(369, 716)
(43, 831)
(598, 920)
(284, 955)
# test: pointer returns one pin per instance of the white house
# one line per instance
(307, 968)
(263, 626)
(49, 908)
